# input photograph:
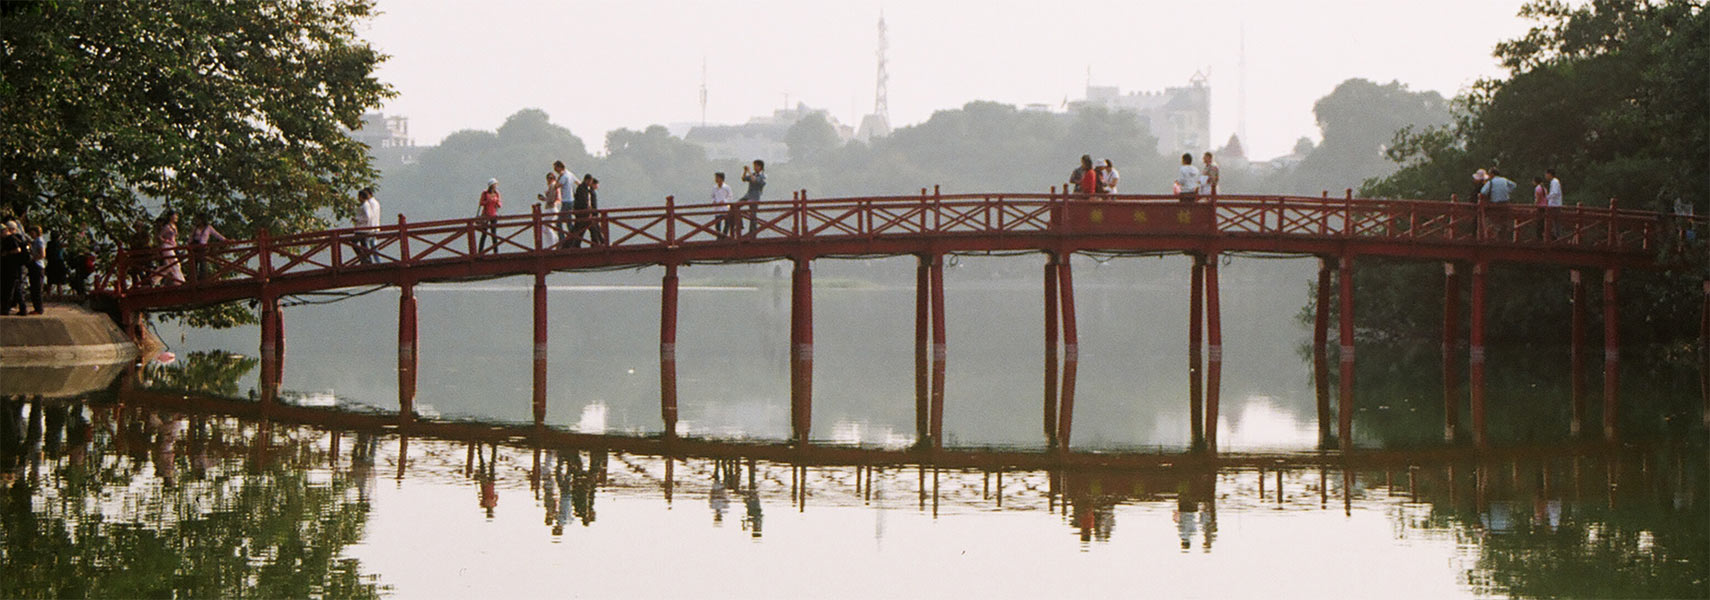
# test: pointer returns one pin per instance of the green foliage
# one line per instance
(237, 109)
(1616, 98)
(234, 109)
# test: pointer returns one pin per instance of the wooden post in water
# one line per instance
(407, 350)
(272, 347)
(922, 347)
(1611, 356)
(1196, 335)
(1320, 352)
(938, 351)
(1071, 352)
(1704, 354)
(668, 351)
(1451, 342)
(801, 350)
(1475, 373)
(1214, 355)
(1051, 349)
(1345, 399)
(539, 342)
(1576, 355)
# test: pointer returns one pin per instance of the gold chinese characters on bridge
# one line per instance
(1111, 217)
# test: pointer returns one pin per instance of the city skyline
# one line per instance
(763, 55)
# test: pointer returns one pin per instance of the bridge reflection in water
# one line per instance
(1528, 515)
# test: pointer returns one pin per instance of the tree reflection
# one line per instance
(1636, 524)
(138, 503)
(212, 373)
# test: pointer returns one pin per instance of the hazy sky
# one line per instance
(597, 66)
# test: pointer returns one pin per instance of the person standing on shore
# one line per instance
(13, 252)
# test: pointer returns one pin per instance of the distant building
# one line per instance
(1180, 117)
(388, 138)
(760, 137)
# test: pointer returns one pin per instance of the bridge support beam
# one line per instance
(1345, 401)
(922, 347)
(668, 351)
(1475, 372)
(1451, 343)
(272, 347)
(801, 351)
(1051, 297)
(1704, 354)
(939, 352)
(1214, 355)
(1071, 352)
(1196, 336)
(407, 350)
(1576, 355)
(1611, 355)
(540, 347)
(1320, 352)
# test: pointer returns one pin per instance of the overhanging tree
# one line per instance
(234, 109)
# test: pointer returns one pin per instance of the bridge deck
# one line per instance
(908, 225)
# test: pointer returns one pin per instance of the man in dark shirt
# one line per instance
(756, 179)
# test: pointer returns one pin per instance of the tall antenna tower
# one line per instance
(703, 91)
(881, 105)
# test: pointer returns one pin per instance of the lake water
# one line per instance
(176, 481)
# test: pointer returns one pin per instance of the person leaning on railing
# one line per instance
(200, 236)
(487, 216)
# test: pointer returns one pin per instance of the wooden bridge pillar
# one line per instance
(1611, 355)
(922, 347)
(540, 346)
(1051, 313)
(939, 352)
(668, 350)
(1196, 320)
(1071, 352)
(1345, 399)
(1475, 373)
(1320, 352)
(1704, 354)
(1576, 355)
(407, 349)
(801, 350)
(272, 347)
(1451, 343)
(1214, 355)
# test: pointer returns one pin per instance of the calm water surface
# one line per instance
(176, 481)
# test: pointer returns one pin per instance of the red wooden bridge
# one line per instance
(1466, 238)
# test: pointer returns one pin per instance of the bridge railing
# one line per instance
(928, 214)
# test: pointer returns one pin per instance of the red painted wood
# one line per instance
(1475, 373)
(668, 350)
(1214, 355)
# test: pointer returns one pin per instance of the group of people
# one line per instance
(1490, 186)
(1088, 179)
(1191, 182)
(31, 263)
(164, 236)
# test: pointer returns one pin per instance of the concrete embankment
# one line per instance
(67, 351)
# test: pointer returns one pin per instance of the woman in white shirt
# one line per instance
(550, 202)
(1111, 177)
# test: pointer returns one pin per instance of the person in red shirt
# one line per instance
(487, 215)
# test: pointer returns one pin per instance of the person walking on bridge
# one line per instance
(1110, 177)
(1213, 174)
(1078, 177)
(487, 215)
(367, 223)
(1496, 191)
(756, 180)
(724, 218)
(583, 207)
